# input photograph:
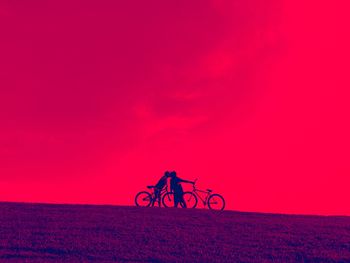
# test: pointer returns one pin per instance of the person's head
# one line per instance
(167, 173)
(173, 174)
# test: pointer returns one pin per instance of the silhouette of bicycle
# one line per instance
(147, 199)
(213, 201)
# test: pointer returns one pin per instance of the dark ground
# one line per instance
(82, 233)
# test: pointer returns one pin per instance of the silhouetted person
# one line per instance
(160, 185)
(176, 187)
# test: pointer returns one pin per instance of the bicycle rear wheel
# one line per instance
(168, 199)
(216, 202)
(190, 199)
(143, 199)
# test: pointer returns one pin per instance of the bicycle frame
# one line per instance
(162, 192)
(197, 191)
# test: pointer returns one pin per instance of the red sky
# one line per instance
(98, 99)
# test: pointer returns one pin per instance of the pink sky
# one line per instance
(98, 99)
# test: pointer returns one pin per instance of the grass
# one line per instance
(73, 233)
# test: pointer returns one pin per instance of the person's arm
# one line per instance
(185, 181)
(171, 186)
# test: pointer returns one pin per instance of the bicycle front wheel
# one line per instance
(216, 202)
(168, 200)
(143, 199)
(190, 199)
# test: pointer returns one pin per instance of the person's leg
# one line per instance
(176, 199)
(182, 200)
(181, 197)
(157, 196)
(183, 203)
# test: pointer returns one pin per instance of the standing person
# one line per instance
(176, 187)
(159, 186)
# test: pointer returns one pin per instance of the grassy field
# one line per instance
(82, 233)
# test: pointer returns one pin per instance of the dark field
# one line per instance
(77, 233)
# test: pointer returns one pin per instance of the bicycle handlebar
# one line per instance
(194, 183)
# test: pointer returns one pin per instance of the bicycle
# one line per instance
(213, 201)
(147, 199)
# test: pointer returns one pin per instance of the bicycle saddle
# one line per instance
(150, 186)
(209, 190)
